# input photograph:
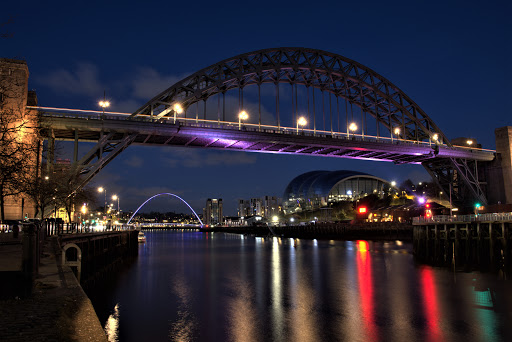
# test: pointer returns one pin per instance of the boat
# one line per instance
(141, 237)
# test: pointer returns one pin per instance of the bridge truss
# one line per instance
(331, 93)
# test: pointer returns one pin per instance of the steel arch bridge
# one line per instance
(348, 111)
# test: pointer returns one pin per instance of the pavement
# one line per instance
(57, 310)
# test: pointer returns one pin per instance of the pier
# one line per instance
(465, 242)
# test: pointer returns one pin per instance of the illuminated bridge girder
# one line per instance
(114, 135)
(403, 131)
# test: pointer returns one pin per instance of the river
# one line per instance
(193, 286)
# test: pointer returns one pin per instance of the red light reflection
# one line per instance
(434, 332)
(364, 277)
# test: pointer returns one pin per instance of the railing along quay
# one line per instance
(494, 217)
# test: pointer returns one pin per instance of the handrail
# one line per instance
(490, 217)
(203, 123)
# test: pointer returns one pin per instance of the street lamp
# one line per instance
(104, 104)
(301, 122)
(115, 197)
(352, 127)
(242, 116)
(101, 189)
(469, 142)
(178, 109)
(396, 131)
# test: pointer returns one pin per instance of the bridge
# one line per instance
(322, 105)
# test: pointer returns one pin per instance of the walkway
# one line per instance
(57, 310)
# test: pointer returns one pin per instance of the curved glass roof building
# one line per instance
(316, 189)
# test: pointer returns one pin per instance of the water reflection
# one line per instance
(243, 318)
(277, 288)
(364, 277)
(220, 287)
(428, 286)
(112, 325)
(183, 328)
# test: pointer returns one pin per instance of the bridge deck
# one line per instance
(73, 126)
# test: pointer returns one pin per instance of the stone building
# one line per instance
(19, 119)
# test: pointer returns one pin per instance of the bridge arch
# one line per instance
(169, 194)
(392, 110)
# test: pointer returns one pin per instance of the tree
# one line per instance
(19, 139)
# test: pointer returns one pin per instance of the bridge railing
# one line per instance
(203, 123)
(490, 217)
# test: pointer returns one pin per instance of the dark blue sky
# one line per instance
(451, 57)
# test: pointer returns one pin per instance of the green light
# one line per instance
(477, 205)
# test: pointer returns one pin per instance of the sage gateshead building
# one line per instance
(317, 189)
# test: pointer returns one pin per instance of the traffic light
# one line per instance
(428, 212)
(477, 205)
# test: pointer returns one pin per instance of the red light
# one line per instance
(362, 210)
(427, 205)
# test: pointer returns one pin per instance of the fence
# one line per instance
(494, 217)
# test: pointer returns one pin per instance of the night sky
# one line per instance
(451, 57)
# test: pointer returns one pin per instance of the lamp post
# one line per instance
(104, 104)
(242, 116)
(352, 127)
(178, 109)
(301, 122)
(115, 197)
(100, 190)
(396, 131)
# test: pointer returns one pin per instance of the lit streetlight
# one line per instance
(396, 131)
(241, 117)
(100, 190)
(301, 122)
(115, 197)
(469, 142)
(352, 127)
(104, 104)
(393, 183)
(178, 109)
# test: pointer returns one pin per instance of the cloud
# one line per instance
(194, 158)
(134, 161)
(148, 83)
(83, 81)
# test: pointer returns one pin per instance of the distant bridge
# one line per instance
(315, 116)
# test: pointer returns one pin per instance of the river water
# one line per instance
(193, 286)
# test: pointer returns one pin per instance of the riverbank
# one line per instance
(57, 309)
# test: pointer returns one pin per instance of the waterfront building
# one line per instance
(18, 124)
(317, 189)
(243, 208)
(270, 206)
(256, 206)
(213, 211)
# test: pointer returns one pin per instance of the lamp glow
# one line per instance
(242, 116)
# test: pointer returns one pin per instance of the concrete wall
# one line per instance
(504, 150)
